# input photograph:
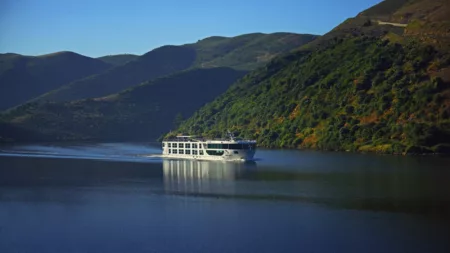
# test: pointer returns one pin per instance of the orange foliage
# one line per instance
(359, 141)
(388, 113)
(433, 67)
(310, 141)
(280, 120)
(294, 113)
(372, 118)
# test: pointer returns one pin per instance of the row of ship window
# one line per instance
(212, 146)
(187, 151)
(183, 145)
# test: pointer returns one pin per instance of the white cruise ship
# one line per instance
(190, 147)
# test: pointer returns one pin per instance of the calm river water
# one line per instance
(108, 197)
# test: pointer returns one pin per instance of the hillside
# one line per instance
(25, 77)
(140, 113)
(118, 59)
(241, 52)
(159, 62)
(247, 51)
(370, 88)
(426, 20)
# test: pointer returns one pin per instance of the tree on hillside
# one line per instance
(178, 120)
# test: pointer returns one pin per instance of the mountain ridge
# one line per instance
(25, 77)
(169, 59)
(118, 59)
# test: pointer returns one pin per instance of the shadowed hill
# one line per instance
(161, 61)
(25, 77)
(140, 113)
(118, 59)
(241, 52)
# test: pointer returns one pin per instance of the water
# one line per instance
(110, 198)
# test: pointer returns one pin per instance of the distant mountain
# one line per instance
(156, 63)
(241, 52)
(143, 112)
(118, 59)
(247, 51)
(369, 85)
(25, 77)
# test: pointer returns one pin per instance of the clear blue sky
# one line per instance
(102, 27)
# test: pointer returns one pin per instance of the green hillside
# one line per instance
(118, 59)
(25, 77)
(371, 88)
(385, 9)
(241, 52)
(140, 113)
(246, 51)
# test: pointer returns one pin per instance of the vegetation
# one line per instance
(361, 87)
(359, 94)
(25, 77)
(385, 9)
(118, 59)
(246, 51)
(140, 113)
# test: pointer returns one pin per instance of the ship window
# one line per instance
(175, 151)
(236, 152)
(181, 151)
(174, 145)
(201, 152)
(168, 144)
(188, 152)
(194, 152)
(180, 145)
(188, 145)
(194, 145)
(164, 144)
(170, 151)
(221, 146)
(215, 152)
(200, 145)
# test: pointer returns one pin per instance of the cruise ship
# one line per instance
(191, 147)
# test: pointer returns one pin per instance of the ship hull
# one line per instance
(227, 156)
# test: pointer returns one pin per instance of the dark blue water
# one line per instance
(111, 198)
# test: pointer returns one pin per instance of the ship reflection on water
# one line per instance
(203, 177)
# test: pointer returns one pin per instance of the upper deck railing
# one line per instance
(202, 139)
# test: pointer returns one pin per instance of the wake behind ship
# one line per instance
(228, 149)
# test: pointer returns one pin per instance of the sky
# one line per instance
(105, 27)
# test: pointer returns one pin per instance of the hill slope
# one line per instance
(118, 59)
(25, 77)
(367, 90)
(426, 20)
(241, 52)
(247, 51)
(141, 113)
(159, 62)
